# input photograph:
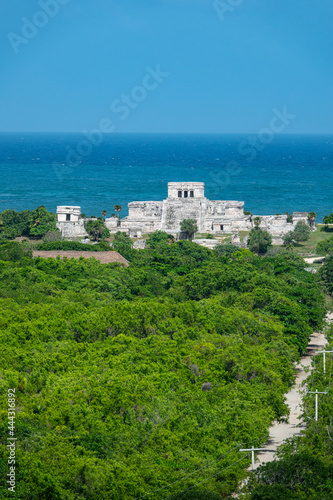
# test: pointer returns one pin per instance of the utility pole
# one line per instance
(323, 352)
(252, 450)
(316, 405)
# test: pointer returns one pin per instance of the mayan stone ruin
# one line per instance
(186, 200)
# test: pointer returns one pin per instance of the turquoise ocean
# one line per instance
(287, 173)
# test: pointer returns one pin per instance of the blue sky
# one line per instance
(224, 75)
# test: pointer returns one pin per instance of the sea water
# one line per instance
(287, 173)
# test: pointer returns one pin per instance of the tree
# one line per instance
(159, 238)
(225, 249)
(42, 222)
(302, 231)
(324, 247)
(189, 226)
(289, 239)
(326, 274)
(104, 213)
(257, 221)
(311, 218)
(296, 475)
(115, 348)
(122, 243)
(328, 219)
(259, 241)
(118, 208)
(15, 251)
(97, 229)
(275, 251)
(83, 216)
(13, 224)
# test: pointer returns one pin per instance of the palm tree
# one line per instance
(118, 208)
(104, 213)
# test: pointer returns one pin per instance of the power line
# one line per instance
(198, 470)
(316, 392)
(188, 475)
(313, 371)
(252, 450)
(217, 473)
(324, 358)
(328, 432)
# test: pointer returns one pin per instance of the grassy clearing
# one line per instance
(310, 245)
(200, 236)
(225, 240)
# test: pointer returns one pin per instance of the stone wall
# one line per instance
(145, 216)
(72, 229)
(176, 210)
(111, 223)
(276, 225)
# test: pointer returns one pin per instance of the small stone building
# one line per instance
(69, 222)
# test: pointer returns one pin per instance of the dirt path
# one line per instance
(281, 431)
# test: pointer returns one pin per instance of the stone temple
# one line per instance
(186, 200)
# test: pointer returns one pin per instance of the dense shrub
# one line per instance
(301, 232)
(130, 379)
(259, 240)
(13, 224)
(34, 223)
(325, 247)
(328, 219)
(14, 251)
(159, 238)
(97, 229)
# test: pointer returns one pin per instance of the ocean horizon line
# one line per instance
(115, 133)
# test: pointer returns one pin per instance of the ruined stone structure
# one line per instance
(69, 222)
(71, 225)
(186, 200)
